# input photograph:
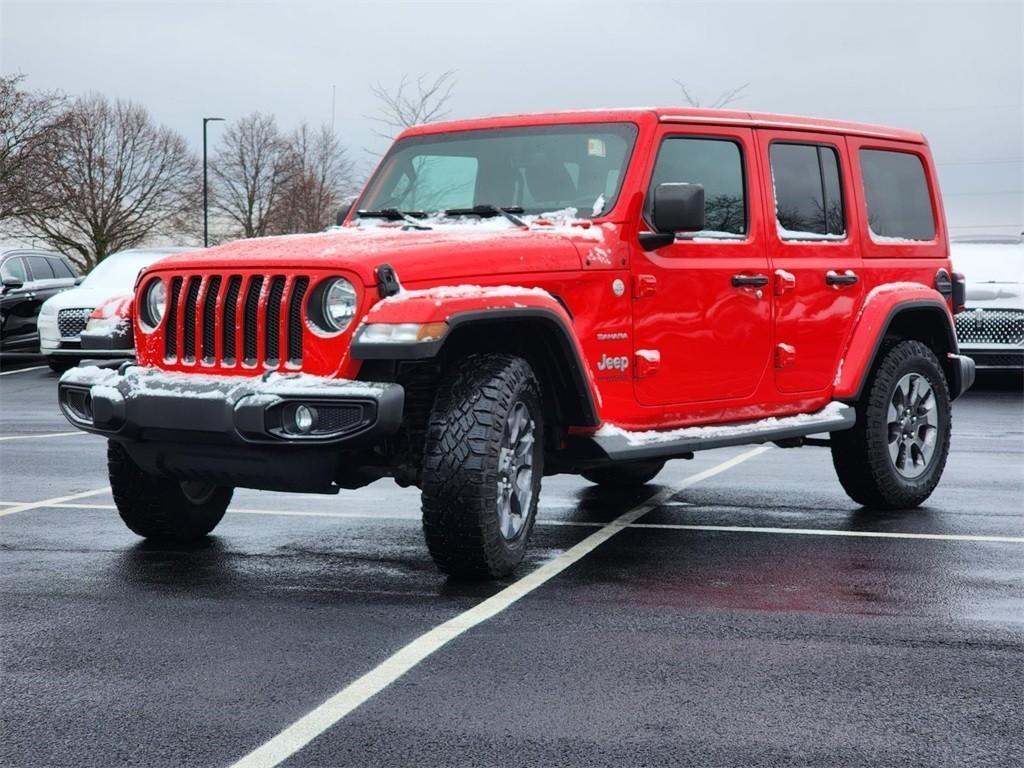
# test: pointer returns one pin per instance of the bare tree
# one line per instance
(411, 102)
(28, 126)
(724, 99)
(320, 174)
(250, 171)
(110, 178)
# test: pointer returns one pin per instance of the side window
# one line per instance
(896, 192)
(39, 267)
(60, 269)
(14, 269)
(717, 164)
(808, 195)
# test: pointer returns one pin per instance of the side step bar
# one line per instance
(622, 445)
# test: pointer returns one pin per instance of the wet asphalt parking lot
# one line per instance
(740, 611)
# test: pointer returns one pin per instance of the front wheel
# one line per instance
(483, 461)
(160, 508)
(894, 456)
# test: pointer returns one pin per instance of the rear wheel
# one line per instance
(625, 475)
(894, 457)
(482, 466)
(160, 508)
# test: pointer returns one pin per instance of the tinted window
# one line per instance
(808, 197)
(14, 269)
(60, 269)
(717, 165)
(40, 268)
(897, 195)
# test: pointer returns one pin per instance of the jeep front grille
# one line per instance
(71, 322)
(203, 313)
(990, 326)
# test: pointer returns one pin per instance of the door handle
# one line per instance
(834, 278)
(744, 281)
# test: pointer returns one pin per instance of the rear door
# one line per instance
(702, 305)
(814, 253)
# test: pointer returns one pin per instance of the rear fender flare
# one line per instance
(907, 310)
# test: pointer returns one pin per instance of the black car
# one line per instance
(28, 277)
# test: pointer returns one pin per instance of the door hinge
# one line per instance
(646, 362)
(644, 285)
(785, 355)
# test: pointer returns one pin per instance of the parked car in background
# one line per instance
(991, 328)
(63, 318)
(29, 277)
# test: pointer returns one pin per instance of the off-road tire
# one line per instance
(156, 507)
(61, 364)
(861, 454)
(631, 475)
(461, 465)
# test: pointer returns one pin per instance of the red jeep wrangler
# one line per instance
(588, 292)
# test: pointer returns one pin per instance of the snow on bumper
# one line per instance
(147, 404)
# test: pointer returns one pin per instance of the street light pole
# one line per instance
(206, 222)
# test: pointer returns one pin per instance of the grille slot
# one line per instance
(71, 322)
(250, 321)
(189, 324)
(171, 326)
(990, 326)
(210, 320)
(273, 327)
(228, 332)
(295, 320)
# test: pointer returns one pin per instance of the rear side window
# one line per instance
(60, 269)
(14, 269)
(896, 192)
(40, 267)
(808, 196)
(717, 164)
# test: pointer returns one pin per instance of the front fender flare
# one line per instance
(537, 308)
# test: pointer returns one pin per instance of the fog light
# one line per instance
(304, 418)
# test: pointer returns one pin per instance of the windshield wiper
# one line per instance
(487, 210)
(393, 214)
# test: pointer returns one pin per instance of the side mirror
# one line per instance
(343, 211)
(677, 208)
(12, 284)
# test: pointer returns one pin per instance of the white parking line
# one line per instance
(305, 729)
(968, 537)
(45, 434)
(54, 502)
(23, 370)
(833, 532)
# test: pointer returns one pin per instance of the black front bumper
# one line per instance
(231, 430)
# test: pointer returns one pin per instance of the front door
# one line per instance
(702, 305)
(813, 253)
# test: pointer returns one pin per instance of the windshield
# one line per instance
(532, 170)
(117, 272)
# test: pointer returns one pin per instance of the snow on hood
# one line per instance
(452, 249)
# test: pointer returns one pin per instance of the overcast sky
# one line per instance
(954, 71)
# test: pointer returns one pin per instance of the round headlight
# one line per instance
(155, 303)
(339, 304)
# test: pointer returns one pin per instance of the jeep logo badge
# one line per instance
(607, 363)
